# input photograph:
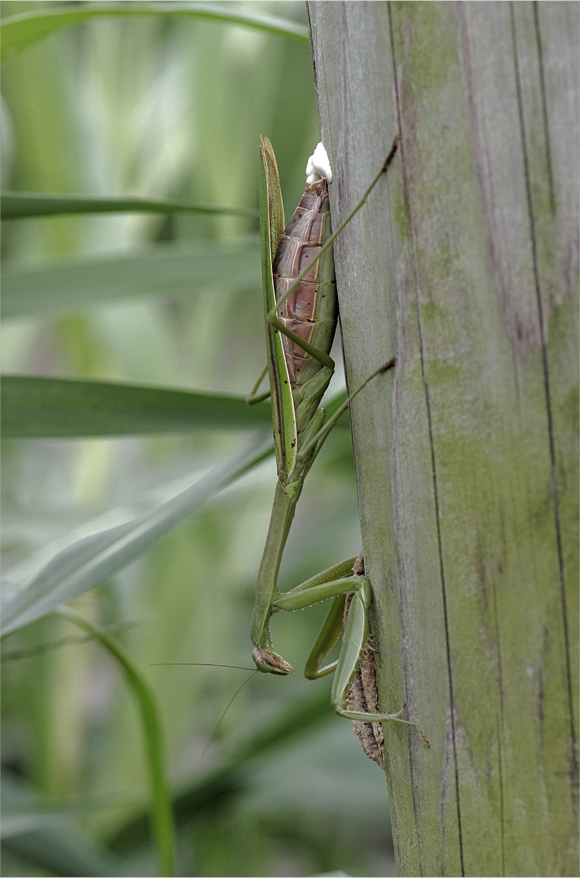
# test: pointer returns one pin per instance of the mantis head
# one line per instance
(271, 662)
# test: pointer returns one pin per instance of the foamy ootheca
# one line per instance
(318, 166)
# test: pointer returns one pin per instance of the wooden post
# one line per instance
(464, 264)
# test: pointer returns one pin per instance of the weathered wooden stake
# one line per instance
(464, 265)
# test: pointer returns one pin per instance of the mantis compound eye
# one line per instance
(271, 662)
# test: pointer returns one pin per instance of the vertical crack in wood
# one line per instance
(407, 202)
(547, 393)
(544, 107)
(500, 731)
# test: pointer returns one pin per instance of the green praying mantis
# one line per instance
(301, 313)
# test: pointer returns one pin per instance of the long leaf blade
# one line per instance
(23, 30)
(23, 205)
(35, 407)
(165, 268)
(78, 563)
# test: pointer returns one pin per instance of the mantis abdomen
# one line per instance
(311, 309)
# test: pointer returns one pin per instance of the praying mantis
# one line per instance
(301, 313)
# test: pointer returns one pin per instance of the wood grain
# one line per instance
(464, 264)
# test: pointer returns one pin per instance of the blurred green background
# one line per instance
(167, 107)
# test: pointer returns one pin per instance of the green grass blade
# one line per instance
(21, 31)
(161, 813)
(36, 407)
(22, 205)
(88, 556)
(40, 408)
(165, 268)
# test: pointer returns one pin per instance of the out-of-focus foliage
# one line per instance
(162, 107)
